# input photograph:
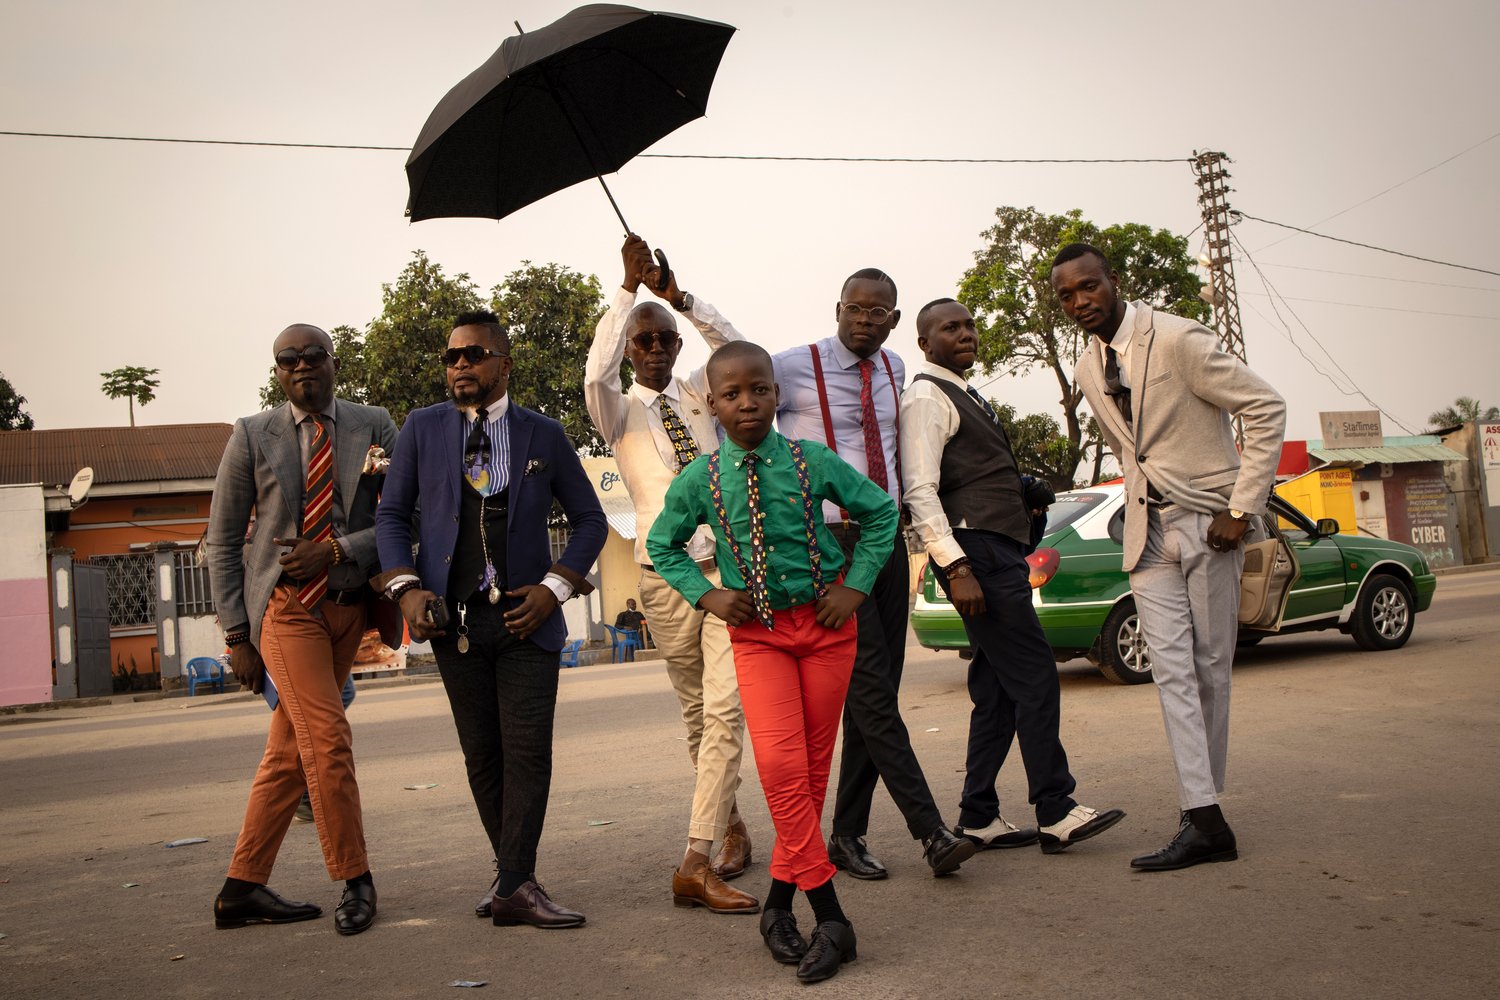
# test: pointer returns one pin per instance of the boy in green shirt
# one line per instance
(790, 603)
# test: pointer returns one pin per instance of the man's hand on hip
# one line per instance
(1225, 532)
(838, 605)
(537, 604)
(306, 558)
(733, 606)
(966, 595)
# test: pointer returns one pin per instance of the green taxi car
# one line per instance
(1368, 588)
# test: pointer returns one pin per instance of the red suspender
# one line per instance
(833, 445)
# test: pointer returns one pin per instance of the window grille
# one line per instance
(131, 587)
(559, 540)
(193, 594)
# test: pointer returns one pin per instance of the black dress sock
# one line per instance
(1208, 819)
(780, 896)
(510, 882)
(825, 904)
(235, 888)
(366, 878)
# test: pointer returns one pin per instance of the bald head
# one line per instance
(305, 366)
(302, 333)
(652, 344)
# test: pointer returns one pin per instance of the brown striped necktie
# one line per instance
(317, 510)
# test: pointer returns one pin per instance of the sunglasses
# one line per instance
(473, 354)
(667, 338)
(314, 355)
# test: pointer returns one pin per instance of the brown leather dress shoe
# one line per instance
(704, 888)
(734, 854)
(482, 908)
(530, 904)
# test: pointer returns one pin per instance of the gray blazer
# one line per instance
(262, 470)
(1184, 391)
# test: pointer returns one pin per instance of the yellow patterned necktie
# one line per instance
(682, 441)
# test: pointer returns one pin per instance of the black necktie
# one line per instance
(1112, 384)
(989, 410)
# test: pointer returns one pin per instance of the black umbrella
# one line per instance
(559, 105)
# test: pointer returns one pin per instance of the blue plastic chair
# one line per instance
(207, 671)
(623, 644)
(570, 653)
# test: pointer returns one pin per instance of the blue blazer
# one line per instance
(426, 476)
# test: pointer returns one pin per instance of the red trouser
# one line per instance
(310, 744)
(792, 684)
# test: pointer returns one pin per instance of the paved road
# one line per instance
(1363, 791)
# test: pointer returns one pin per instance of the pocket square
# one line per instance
(534, 466)
(376, 461)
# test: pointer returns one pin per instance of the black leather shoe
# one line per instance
(1190, 847)
(779, 928)
(482, 910)
(356, 909)
(832, 945)
(261, 906)
(944, 852)
(849, 854)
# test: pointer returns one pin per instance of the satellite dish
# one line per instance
(78, 489)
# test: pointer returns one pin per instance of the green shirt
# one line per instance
(789, 581)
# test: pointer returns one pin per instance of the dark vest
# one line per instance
(468, 554)
(979, 483)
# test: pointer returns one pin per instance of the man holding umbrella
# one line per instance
(655, 429)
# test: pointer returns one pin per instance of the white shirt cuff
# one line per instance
(560, 588)
(400, 580)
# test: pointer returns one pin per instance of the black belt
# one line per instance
(346, 598)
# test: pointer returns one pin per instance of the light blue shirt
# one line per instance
(800, 416)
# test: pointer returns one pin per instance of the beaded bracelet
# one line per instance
(233, 639)
(338, 551)
(402, 588)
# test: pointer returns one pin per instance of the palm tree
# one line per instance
(135, 384)
(1464, 410)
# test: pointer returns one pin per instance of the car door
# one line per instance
(1319, 591)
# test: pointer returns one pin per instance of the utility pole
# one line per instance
(1221, 296)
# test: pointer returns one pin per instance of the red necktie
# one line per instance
(317, 511)
(874, 450)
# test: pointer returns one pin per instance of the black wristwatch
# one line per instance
(687, 303)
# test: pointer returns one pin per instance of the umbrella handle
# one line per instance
(664, 272)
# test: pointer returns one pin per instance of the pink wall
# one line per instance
(26, 631)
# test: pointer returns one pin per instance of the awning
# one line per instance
(1392, 454)
(618, 510)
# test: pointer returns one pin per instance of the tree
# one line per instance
(1021, 326)
(1464, 410)
(353, 377)
(550, 312)
(12, 416)
(135, 384)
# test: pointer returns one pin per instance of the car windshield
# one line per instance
(1069, 507)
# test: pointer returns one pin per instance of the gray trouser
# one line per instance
(1188, 597)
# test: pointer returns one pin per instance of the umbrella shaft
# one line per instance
(618, 214)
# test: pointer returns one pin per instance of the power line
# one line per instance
(1364, 305)
(655, 156)
(1335, 215)
(1274, 295)
(1367, 246)
(1381, 277)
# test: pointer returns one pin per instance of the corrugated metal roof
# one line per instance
(1394, 454)
(116, 454)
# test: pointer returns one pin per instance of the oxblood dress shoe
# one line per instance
(779, 929)
(261, 906)
(733, 856)
(482, 909)
(1190, 847)
(530, 904)
(849, 854)
(1080, 823)
(832, 945)
(944, 852)
(999, 834)
(704, 888)
(356, 909)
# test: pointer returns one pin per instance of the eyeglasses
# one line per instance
(314, 355)
(668, 339)
(473, 354)
(877, 315)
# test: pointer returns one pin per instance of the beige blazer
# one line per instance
(1184, 392)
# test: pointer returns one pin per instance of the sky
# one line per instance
(191, 258)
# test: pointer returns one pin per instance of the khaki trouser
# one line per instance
(700, 666)
(309, 743)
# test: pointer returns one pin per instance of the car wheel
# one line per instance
(1124, 656)
(1383, 616)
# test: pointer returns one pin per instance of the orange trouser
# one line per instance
(310, 744)
(792, 684)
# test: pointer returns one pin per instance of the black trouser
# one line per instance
(503, 693)
(1013, 685)
(876, 743)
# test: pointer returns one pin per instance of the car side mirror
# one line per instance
(1328, 526)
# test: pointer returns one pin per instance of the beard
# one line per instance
(471, 394)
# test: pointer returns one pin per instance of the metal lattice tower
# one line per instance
(1213, 200)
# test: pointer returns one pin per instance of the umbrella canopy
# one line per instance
(559, 105)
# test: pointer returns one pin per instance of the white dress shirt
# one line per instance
(928, 422)
(1121, 344)
(631, 424)
(800, 416)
